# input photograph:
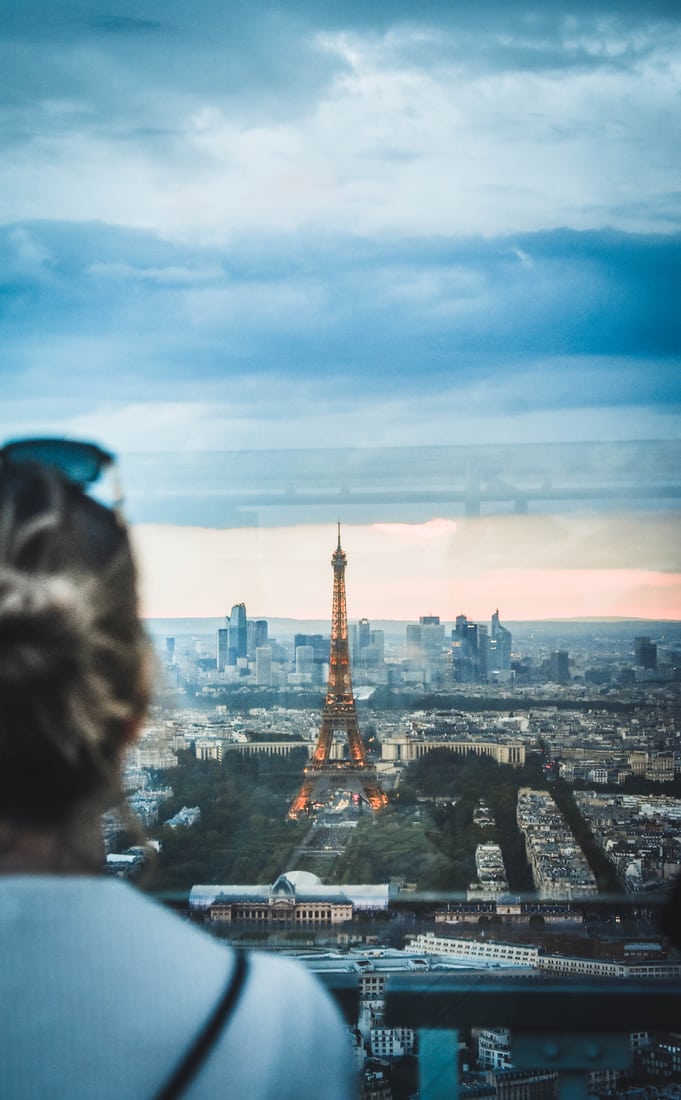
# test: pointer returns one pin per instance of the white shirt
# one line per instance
(102, 991)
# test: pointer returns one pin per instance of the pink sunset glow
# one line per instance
(529, 567)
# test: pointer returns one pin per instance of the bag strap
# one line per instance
(207, 1037)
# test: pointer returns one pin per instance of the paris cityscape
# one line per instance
(413, 268)
(475, 798)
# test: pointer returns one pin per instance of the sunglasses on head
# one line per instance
(80, 463)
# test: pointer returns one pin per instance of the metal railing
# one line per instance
(572, 1027)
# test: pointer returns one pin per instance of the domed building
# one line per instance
(298, 899)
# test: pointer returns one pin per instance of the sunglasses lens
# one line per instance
(79, 462)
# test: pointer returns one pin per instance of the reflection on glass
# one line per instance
(413, 268)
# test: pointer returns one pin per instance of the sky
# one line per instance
(229, 228)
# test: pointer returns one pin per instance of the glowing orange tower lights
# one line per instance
(339, 717)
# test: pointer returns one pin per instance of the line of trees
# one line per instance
(428, 835)
(243, 834)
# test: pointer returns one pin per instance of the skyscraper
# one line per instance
(222, 657)
(378, 643)
(238, 633)
(470, 646)
(263, 666)
(500, 646)
(432, 637)
(646, 653)
(305, 661)
(257, 630)
(559, 666)
(319, 643)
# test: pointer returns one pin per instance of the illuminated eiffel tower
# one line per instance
(339, 716)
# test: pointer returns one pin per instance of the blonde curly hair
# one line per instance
(73, 652)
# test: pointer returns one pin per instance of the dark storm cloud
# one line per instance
(417, 313)
(116, 65)
(396, 198)
(208, 118)
(257, 54)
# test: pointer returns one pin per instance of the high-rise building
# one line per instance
(367, 648)
(559, 666)
(499, 646)
(483, 649)
(432, 637)
(360, 637)
(469, 650)
(646, 653)
(414, 642)
(256, 634)
(263, 666)
(238, 633)
(425, 649)
(222, 649)
(378, 642)
(305, 661)
(319, 643)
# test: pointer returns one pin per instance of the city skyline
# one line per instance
(304, 227)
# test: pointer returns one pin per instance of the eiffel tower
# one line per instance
(339, 716)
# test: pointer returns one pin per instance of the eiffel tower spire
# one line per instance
(339, 716)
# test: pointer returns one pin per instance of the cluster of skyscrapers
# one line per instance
(477, 651)
(239, 639)
(427, 653)
(470, 653)
(473, 653)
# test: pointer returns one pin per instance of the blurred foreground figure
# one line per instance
(103, 993)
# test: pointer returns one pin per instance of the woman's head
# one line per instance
(73, 675)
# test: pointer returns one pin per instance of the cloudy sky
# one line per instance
(229, 227)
